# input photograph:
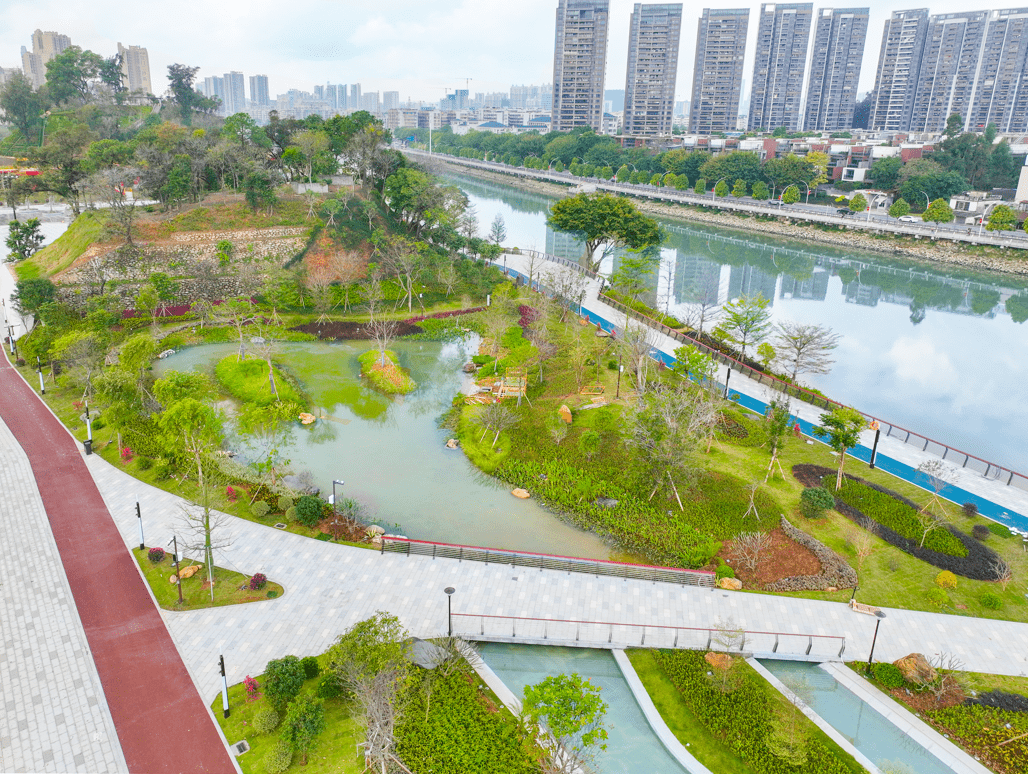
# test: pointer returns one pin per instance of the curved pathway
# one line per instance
(53, 660)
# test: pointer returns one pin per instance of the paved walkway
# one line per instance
(117, 639)
(1006, 504)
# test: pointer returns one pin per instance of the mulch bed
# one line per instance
(977, 565)
(784, 558)
(342, 528)
(338, 329)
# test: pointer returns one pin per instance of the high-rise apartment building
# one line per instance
(579, 63)
(234, 100)
(717, 72)
(899, 65)
(355, 97)
(653, 39)
(835, 58)
(259, 94)
(45, 46)
(783, 32)
(390, 100)
(135, 67)
(1001, 88)
(370, 102)
(214, 88)
(949, 65)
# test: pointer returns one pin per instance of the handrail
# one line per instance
(530, 559)
(742, 635)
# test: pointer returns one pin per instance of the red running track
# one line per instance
(162, 723)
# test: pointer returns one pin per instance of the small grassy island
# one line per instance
(383, 370)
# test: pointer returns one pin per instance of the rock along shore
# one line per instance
(925, 251)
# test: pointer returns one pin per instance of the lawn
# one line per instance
(230, 588)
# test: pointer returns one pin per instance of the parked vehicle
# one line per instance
(908, 219)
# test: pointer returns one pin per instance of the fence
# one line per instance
(597, 567)
(608, 634)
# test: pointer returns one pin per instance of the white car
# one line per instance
(908, 219)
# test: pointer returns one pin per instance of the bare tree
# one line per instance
(498, 230)
(568, 288)
(790, 732)
(319, 283)
(237, 312)
(467, 224)
(558, 428)
(382, 332)
(448, 277)
(204, 529)
(1001, 571)
(636, 344)
(404, 261)
(753, 487)
(805, 348)
(864, 545)
(112, 187)
(726, 634)
(748, 547)
(99, 271)
(936, 472)
(373, 293)
(496, 417)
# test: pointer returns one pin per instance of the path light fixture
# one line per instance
(178, 578)
(139, 516)
(881, 617)
(224, 685)
(874, 448)
(335, 508)
(449, 609)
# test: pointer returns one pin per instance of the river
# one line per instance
(935, 350)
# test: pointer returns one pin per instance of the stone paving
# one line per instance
(54, 714)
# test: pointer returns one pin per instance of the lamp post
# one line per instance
(874, 448)
(728, 375)
(335, 509)
(985, 210)
(88, 445)
(807, 186)
(178, 580)
(39, 368)
(928, 202)
(713, 190)
(881, 617)
(224, 685)
(449, 609)
(139, 515)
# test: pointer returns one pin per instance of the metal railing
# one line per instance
(569, 564)
(610, 634)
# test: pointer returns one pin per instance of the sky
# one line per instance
(421, 49)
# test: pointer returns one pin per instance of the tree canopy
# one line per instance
(603, 219)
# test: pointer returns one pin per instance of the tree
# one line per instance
(268, 428)
(748, 546)
(739, 189)
(82, 353)
(777, 420)
(841, 429)
(789, 170)
(733, 166)
(304, 721)
(791, 195)
(63, 160)
(312, 146)
(885, 172)
(243, 129)
(805, 348)
(572, 711)
(23, 239)
(22, 106)
(701, 186)
(633, 271)
(1002, 218)
(30, 294)
(497, 231)
(180, 83)
(938, 212)
(495, 418)
(721, 189)
(899, 208)
(112, 187)
(746, 320)
(283, 680)
(73, 74)
(760, 191)
(858, 203)
(603, 219)
(404, 260)
(260, 190)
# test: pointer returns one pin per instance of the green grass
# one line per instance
(87, 228)
(227, 584)
(389, 377)
(248, 382)
(683, 722)
(335, 750)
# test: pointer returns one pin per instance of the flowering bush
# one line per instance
(126, 454)
(946, 580)
(156, 555)
(231, 494)
(258, 582)
(253, 688)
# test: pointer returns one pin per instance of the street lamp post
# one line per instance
(874, 448)
(39, 368)
(713, 190)
(139, 515)
(807, 186)
(981, 223)
(927, 201)
(335, 508)
(224, 685)
(881, 617)
(449, 609)
(871, 204)
(178, 580)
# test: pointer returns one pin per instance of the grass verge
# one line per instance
(196, 593)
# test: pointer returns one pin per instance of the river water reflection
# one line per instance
(941, 351)
(391, 454)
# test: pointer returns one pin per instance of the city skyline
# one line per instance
(422, 52)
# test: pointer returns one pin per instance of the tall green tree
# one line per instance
(283, 680)
(841, 431)
(885, 172)
(180, 83)
(1002, 218)
(791, 195)
(73, 74)
(899, 208)
(746, 320)
(30, 294)
(571, 709)
(939, 212)
(22, 106)
(858, 203)
(23, 239)
(64, 164)
(733, 165)
(604, 220)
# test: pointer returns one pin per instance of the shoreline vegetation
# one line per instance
(934, 252)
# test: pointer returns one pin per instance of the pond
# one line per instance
(391, 453)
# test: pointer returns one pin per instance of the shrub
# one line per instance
(999, 530)
(278, 757)
(308, 510)
(283, 679)
(285, 503)
(937, 597)
(328, 688)
(145, 463)
(265, 721)
(253, 689)
(99, 424)
(970, 510)
(231, 494)
(260, 509)
(258, 581)
(156, 555)
(724, 571)
(163, 470)
(888, 675)
(272, 594)
(126, 454)
(991, 601)
(291, 514)
(311, 667)
(946, 580)
(815, 501)
(980, 532)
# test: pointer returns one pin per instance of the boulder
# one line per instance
(606, 502)
(732, 584)
(522, 493)
(374, 529)
(915, 668)
(565, 414)
(306, 419)
(451, 444)
(721, 661)
(190, 571)
(173, 580)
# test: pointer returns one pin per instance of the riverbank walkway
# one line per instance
(995, 499)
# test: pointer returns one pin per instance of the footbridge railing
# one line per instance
(610, 634)
(402, 545)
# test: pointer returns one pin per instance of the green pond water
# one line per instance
(391, 454)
